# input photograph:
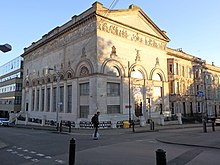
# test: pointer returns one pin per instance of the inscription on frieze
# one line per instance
(132, 36)
(73, 35)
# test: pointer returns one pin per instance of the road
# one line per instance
(42, 147)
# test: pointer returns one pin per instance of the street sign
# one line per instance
(200, 94)
(127, 106)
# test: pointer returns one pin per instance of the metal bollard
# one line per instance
(204, 126)
(133, 126)
(72, 150)
(161, 157)
(61, 126)
(69, 123)
(57, 127)
(213, 126)
(151, 125)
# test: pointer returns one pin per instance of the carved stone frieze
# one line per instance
(71, 36)
(130, 35)
(113, 30)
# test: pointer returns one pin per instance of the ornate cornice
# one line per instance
(57, 38)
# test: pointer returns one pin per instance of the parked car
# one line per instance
(217, 121)
(4, 122)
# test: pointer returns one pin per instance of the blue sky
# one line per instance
(193, 25)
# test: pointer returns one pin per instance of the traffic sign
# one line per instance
(200, 94)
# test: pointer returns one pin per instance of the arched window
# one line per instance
(136, 74)
(157, 77)
(113, 71)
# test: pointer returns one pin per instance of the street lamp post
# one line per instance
(129, 92)
(5, 48)
(204, 103)
(57, 98)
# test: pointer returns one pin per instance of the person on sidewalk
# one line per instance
(95, 122)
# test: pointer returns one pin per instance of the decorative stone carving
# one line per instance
(157, 61)
(83, 52)
(113, 53)
(84, 71)
(138, 58)
(74, 34)
(113, 29)
(130, 35)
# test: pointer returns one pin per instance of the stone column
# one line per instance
(23, 100)
(35, 99)
(30, 105)
(45, 98)
(75, 98)
(65, 97)
(43, 120)
(51, 97)
(179, 116)
(40, 98)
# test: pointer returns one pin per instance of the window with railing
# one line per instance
(42, 100)
(183, 71)
(61, 103)
(84, 111)
(111, 109)
(84, 89)
(113, 89)
(69, 97)
(48, 99)
(189, 73)
(176, 68)
(172, 87)
(33, 99)
(38, 94)
(177, 88)
(54, 99)
(171, 68)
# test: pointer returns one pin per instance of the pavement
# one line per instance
(197, 137)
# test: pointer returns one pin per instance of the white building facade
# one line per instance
(115, 62)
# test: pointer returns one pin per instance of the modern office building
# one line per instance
(115, 62)
(11, 77)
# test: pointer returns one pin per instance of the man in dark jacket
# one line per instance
(95, 122)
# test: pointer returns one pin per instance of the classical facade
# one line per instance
(11, 76)
(194, 85)
(112, 61)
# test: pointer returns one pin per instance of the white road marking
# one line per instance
(15, 149)
(35, 160)
(60, 161)
(27, 157)
(20, 154)
(40, 154)
(48, 157)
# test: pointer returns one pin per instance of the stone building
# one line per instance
(112, 61)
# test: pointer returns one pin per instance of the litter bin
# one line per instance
(126, 124)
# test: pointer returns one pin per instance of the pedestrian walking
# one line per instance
(95, 122)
